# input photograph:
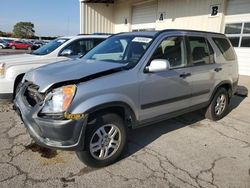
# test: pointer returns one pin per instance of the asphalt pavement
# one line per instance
(187, 151)
(12, 52)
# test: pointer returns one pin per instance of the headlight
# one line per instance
(59, 100)
(2, 69)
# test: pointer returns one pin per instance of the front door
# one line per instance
(169, 91)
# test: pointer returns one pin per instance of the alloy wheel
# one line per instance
(105, 142)
(220, 104)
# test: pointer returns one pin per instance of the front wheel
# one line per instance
(219, 105)
(105, 140)
(13, 47)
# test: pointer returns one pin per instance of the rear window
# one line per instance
(225, 48)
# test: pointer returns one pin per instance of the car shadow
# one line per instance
(141, 137)
(240, 94)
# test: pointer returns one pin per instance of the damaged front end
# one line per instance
(46, 118)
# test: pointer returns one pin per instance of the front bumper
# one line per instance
(6, 88)
(50, 133)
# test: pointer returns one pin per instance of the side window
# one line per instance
(225, 48)
(81, 47)
(98, 41)
(172, 49)
(200, 53)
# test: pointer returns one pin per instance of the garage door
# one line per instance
(144, 16)
(237, 28)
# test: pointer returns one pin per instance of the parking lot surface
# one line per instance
(12, 52)
(187, 151)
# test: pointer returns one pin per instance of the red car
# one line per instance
(20, 45)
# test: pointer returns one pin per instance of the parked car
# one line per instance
(20, 45)
(13, 67)
(37, 44)
(3, 44)
(128, 81)
(7, 40)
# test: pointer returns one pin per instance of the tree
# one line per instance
(24, 30)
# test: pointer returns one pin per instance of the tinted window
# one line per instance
(80, 47)
(98, 41)
(50, 47)
(245, 42)
(233, 28)
(225, 48)
(200, 54)
(234, 41)
(246, 28)
(171, 49)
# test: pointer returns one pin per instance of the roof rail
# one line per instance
(102, 33)
(189, 30)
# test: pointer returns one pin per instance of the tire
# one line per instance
(219, 106)
(17, 85)
(1, 47)
(104, 121)
(13, 47)
(29, 48)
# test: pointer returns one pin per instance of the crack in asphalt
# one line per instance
(156, 154)
(247, 144)
(210, 170)
(225, 124)
(26, 174)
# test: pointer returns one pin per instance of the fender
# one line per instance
(219, 85)
(101, 102)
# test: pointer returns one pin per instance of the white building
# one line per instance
(231, 17)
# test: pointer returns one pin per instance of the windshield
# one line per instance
(120, 49)
(50, 47)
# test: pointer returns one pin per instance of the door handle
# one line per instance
(184, 75)
(218, 69)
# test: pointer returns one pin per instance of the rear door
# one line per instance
(169, 91)
(203, 69)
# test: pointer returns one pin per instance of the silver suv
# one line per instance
(129, 80)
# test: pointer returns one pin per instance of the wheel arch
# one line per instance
(120, 108)
(224, 84)
(18, 79)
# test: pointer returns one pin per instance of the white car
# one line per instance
(13, 67)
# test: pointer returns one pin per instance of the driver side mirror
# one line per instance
(157, 65)
(67, 52)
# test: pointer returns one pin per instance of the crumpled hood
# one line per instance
(48, 75)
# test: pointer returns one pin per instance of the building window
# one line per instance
(238, 34)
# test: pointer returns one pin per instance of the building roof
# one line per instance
(98, 1)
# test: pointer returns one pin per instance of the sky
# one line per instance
(50, 17)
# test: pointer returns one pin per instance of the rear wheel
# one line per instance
(219, 105)
(29, 48)
(1, 47)
(105, 140)
(13, 47)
